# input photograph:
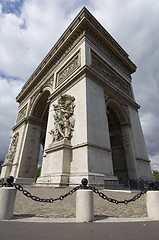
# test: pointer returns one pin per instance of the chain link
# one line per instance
(105, 197)
(44, 200)
(95, 190)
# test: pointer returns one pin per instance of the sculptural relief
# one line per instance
(68, 69)
(12, 150)
(102, 67)
(64, 121)
(22, 113)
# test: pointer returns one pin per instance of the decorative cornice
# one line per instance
(79, 28)
(25, 120)
(89, 144)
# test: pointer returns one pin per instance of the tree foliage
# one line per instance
(38, 172)
(155, 174)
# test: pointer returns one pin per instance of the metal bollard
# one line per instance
(84, 203)
(7, 200)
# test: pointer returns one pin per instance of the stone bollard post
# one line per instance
(84, 204)
(152, 200)
(7, 200)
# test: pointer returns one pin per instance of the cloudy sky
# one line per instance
(29, 29)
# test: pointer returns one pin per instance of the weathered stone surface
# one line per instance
(79, 107)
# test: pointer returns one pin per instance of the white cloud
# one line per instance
(154, 162)
(28, 37)
(8, 110)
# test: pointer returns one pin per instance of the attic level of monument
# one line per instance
(79, 108)
(84, 26)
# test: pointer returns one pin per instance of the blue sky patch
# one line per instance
(9, 78)
(9, 6)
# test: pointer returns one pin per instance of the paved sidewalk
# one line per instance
(27, 208)
(85, 231)
(35, 220)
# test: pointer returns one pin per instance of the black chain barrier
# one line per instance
(112, 200)
(44, 200)
(149, 186)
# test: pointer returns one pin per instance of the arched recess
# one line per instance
(35, 137)
(117, 117)
(40, 111)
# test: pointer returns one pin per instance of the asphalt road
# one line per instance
(79, 231)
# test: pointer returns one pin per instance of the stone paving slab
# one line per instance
(26, 208)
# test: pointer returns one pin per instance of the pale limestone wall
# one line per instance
(144, 169)
(98, 133)
(29, 158)
(141, 151)
(96, 115)
(142, 159)
(52, 161)
(100, 161)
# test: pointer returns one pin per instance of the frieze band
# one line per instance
(68, 69)
(22, 113)
(101, 66)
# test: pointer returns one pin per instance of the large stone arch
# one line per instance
(34, 138)
(88, 64)
(124, 162)
(119, 110)
(40, 111)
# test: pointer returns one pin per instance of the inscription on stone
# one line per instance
(102, 67)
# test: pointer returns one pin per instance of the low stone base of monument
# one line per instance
(57, 180)
(25, 181)
(94, 179)
(56, 164)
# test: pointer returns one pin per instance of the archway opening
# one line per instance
(117, 146)
(40, 112)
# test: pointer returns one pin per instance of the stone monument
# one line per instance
(79, 106)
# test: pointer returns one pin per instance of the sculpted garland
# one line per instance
(64, 121)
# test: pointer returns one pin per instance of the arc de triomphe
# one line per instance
(79, 106)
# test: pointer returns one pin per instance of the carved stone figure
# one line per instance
(12, 150)
(64, 121)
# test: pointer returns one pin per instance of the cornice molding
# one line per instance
(84, 25)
